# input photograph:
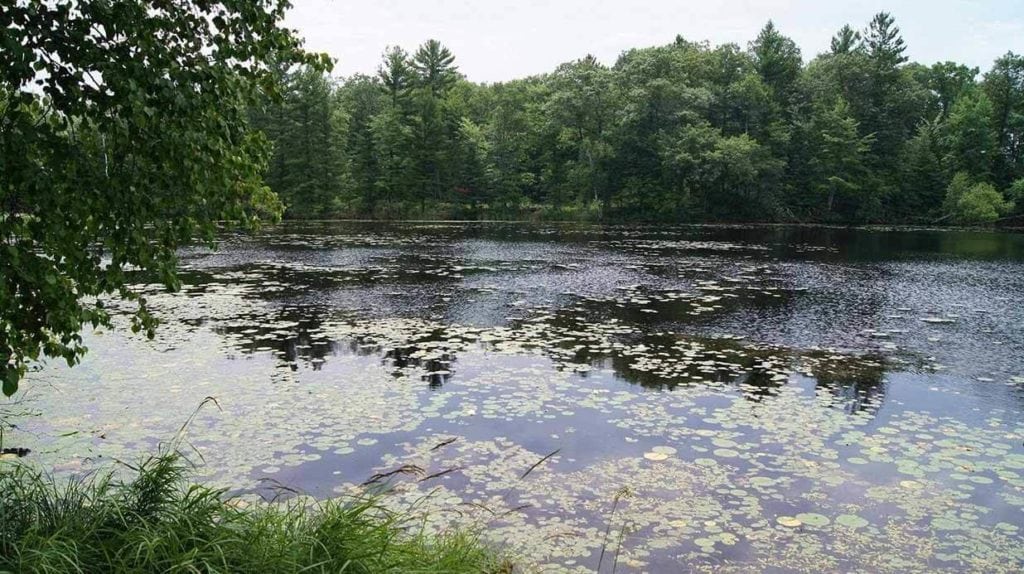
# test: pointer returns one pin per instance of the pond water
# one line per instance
(655, 399)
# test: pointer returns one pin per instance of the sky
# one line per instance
(497, 40)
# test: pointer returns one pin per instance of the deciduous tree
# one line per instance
(124, 132)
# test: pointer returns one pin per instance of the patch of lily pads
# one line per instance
(564, 431)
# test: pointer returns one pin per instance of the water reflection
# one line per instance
(809, 398)
(859, 383)
(796, 287)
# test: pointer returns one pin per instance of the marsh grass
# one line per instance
(151, 518)
(155, 521)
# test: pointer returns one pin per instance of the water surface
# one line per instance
(717, 398)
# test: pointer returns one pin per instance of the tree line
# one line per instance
(682, 132)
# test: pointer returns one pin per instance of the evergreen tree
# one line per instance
(884, 47)
(435, 68)
(923, 178)
(362, 99)
(396, 75)
(681, 131)
(394, 144)
(435, 129)
(845, 41)
(777, 60)
(308, 128)
(884, 44)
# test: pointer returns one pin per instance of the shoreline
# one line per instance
(721, 225)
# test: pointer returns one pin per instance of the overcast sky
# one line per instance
(495, 40)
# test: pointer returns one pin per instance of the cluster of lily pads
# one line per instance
(575, 435)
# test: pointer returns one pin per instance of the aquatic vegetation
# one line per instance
(453, 369)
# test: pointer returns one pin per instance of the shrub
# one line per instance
(971, 203)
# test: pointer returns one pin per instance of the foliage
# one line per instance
(156, 522)
(308, 129)
(971, 143)
(948, 81)
(1016, 192)
(845, 41)
(681, 132)
(123, 134)
(923, 178)
(777, 60)
(837, 166)
(970, 202)
(1004, 86)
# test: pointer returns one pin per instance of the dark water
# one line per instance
(720, 398)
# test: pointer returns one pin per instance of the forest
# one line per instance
(685, 132)
(369, 397)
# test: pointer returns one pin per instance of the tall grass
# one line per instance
(154, 520)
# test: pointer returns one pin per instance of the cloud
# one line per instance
(501, 39)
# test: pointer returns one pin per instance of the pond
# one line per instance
(726, 399)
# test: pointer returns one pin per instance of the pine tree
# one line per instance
(845, 41)
(396, 75)
(777, 60)
(435, 67)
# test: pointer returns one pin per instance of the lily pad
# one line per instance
(851, 521)
(813, 519)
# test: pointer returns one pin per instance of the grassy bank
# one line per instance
(156, 521)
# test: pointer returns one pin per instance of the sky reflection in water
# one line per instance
(767, 398)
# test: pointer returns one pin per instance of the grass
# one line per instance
(156, 521)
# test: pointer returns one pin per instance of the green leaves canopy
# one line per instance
(685, 131)
(123, 134)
